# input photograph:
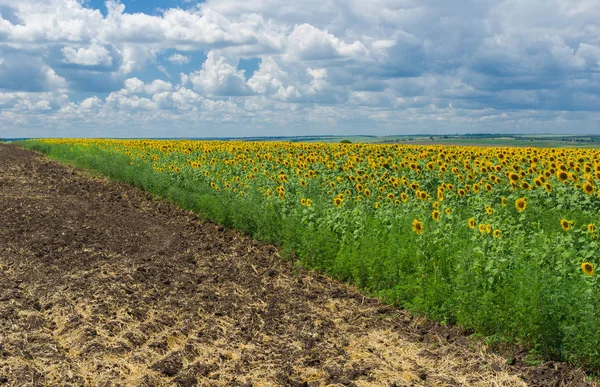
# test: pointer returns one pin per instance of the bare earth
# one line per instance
(101, 285)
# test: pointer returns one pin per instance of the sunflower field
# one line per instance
(502, 241)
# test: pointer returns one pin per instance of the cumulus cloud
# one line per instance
(179, 59)
(94, 55)
(219, 76)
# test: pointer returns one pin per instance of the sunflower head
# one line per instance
(489, 210)
(337, 201)
(565, 224)
(448, 210)
(417, 226)
(435, 215)
(588, 268)
(472, 223)
(497, 233)
(591, 228)
(521, 204)
(588, 188)
(562, 176)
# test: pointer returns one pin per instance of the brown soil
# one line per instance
(102, 285)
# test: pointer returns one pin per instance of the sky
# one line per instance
(222, 68)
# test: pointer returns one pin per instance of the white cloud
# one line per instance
(179, 59)
(307, 42)
(90, 103)
(136, 86)
(219, 76)
(94, 55)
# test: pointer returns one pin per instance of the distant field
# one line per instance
(519, 140)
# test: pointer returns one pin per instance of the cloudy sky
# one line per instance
(170, 68)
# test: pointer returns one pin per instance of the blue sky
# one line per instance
(153, 68)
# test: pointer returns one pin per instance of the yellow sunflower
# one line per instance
(435, 214)
(562, 176)
(588, 268)
(472, 223)
(521, 204)
(497, 233)
(588, 188)
(565, 224)
(417, 226)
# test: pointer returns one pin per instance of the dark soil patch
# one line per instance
(100, 284)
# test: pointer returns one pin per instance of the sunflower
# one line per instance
(565, 224)
(417, 226)
(481, 228)
(521, 204)
(504, 201)
(376, 205)
(588, 268)
(461, 192)
(489, 210)
(562, 176)
(435, 214)
(548, 187)
(303, 201)
(591, 228)
(303, 182)
(367, 192)
(308, 202)
(338, 201)
(472, 223)
(497, 233)
(448, 211)
(404, 196)
(588, 188)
